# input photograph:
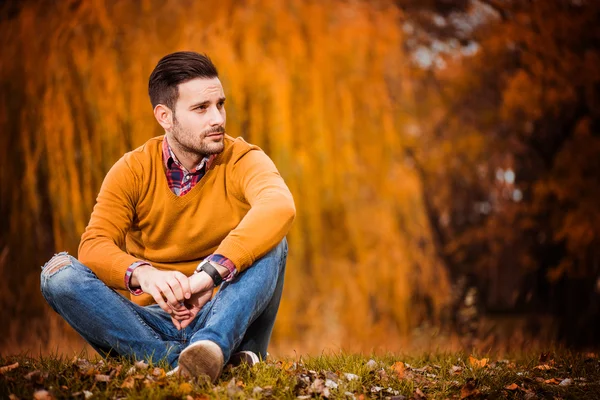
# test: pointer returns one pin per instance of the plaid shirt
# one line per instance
(181, 181)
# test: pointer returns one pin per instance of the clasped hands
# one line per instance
(181, 296)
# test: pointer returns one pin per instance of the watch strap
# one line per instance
(212, 272)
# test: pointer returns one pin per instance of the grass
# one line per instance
(559, 375)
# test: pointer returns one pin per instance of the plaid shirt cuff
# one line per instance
(225, 262)
(129, 272)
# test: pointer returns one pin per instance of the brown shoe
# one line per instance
(201, 358)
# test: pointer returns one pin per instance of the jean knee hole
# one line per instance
(56, 264)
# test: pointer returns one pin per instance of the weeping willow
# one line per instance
(322, 87)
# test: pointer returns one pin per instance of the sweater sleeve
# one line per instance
(102, 242)
(271, 213)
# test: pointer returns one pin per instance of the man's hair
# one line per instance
(176, 68)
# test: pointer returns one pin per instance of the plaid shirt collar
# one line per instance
(169, 158)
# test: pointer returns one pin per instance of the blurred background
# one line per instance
(444, 157)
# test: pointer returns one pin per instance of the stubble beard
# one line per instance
(204, 146)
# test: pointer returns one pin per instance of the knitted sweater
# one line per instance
(240, 209)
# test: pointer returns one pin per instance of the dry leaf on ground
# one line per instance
(128, 383)
(398, 368)
(552, 381)
(474, 362)
(42, 395)
(419, 395)
(7, 368)
(469, 389)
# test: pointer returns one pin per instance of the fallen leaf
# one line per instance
(350, 377)
(371, 364)
(331, 384)
(399, 368)
(36, 376)
(42, 395)
(419, 395)
(552, 381)
(158, 372)
(102, 378)
(512, 386)
(543, 367)
(87, 394)
(128, 383)
(469, 389)
(257, 390)
(184, 388)
(455, 370)
(141, 365)
(7, 368)
(318, 386)
(474, 362)
(566, 382)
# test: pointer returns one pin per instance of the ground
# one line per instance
(559, 374)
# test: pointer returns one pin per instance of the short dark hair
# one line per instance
(176, 68)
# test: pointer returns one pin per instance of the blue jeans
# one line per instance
(239, 317)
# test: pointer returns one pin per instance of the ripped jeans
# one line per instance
(239, 317)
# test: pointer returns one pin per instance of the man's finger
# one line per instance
(185, 323)
(175, 285)
(157, 295)
(176, 323)
(184, 281)
(181, 313)
(168, 293)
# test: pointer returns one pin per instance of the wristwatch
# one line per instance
(211, 271)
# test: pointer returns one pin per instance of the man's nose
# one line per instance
(216, 117)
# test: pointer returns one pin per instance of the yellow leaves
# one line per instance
(511, 387)
(545, 366)
(552, 381)
(184, 388)
(398, 368)
(475, 363)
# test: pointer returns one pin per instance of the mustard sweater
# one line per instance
(241, 208)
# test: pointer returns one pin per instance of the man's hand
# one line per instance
(173, 286)
(202, 286)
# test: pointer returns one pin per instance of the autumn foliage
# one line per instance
(418, 153)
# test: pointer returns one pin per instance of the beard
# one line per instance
(198, 144)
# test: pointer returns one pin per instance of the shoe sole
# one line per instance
(202, 358)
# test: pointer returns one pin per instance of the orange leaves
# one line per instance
(475, 363)
(398, 368)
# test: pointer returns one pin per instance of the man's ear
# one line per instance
(164, 116)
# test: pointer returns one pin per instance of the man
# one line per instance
(175, 219)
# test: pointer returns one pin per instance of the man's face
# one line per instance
(199, 120)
